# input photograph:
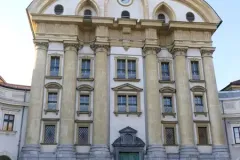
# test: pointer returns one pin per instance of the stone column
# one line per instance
(220, 150)
(100, 149)
(32, 147)
(66, 149)
(184, 108)
(155, 148)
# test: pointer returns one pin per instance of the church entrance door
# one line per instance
(128, 156)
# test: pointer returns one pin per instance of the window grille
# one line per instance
(162, 17)
(49, 136)
(170, 137)
(83, 135)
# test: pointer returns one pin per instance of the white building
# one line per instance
(122, 79)
(13, 119)
(230, 104)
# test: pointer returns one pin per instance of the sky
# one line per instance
(17, 49)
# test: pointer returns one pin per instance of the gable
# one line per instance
(127, 87)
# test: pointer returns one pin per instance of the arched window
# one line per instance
(125, 14)
(162, 17)
(87, 13)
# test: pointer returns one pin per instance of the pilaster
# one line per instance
(32, 148)
(220, 151)
(66, 147)
(155, 148)
(100, 147)
(185, 117)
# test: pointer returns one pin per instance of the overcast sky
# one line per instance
(17, 49)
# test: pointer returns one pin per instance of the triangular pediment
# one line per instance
(127, 87)
(128, 130)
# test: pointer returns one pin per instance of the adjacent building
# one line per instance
(124, 79)
(13, 118)
(230, 104)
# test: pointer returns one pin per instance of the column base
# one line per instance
(99, 152)
(156, 152)
(30, 151)
(188, 152)
(221, 152)
(66, 152)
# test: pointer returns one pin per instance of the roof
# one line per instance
(3, 83)
(237, 82)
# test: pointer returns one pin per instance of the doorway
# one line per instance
(129, 156)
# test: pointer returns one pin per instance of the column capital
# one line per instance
(178, 51)
(151, 50)
(41, 44)
(207, 52)
(71, 45)
(100, 47)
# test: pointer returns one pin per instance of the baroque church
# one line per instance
(123, 80)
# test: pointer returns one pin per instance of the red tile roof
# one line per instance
(3, 83)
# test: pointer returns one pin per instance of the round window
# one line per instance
(58, 9)
(190, 17)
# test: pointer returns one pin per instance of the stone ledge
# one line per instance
(196, 81)
(85, 79)
(51, 111)
(128, 113)
(169, 114)
(50, 144)
(126, 80)
(81, 145)
(84, 112)
(200, 113)
(163, 81)
(53, 77)
(8, 132)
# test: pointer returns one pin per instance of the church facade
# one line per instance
(123, 79)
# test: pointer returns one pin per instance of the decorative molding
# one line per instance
(127, 87)
(198, 89)
(169, 122)
(128, 113)
(85, 79)
(200, 113)
(41, 44)
(85, 87)
(8, 132)
(51, 111)
(154, 50)
(163, 81)
(178, 51)
(53, 77)
(167, 90)
(199, 121)
(99, 47)
(168, 114)
(50, 119)
(207, 52)
(126, 80)
(197, 81)
(53, 85)
(83, 121)
(74, 46)
(84, 112)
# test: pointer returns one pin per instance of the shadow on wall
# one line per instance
(4, 158)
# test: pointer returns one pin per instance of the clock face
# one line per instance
(125, 2)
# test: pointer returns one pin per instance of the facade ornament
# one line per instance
(100, 47)
(72, 46)
(151, 50)
(41, 44)
(178, 51)
(207, 52)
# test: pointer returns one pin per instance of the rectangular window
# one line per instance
(122, 103)
(126, 71)
(168, 104)
(195, 70)
(132, 103)
(8, 122)
(199, 103)
(86, 68)
(52, 101)
(131, 69)
(121, 68)
(84, 103)
(169, 135)
(165, 71)
(202, 135)
(83, 135)
(49, 134)
(236, 131)
(54, 68)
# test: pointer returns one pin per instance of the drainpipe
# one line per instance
(225, 125)
(20, 134)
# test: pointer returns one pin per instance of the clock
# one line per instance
(125, 2)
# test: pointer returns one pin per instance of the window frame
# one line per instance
(91, 76)
(164, 19)
(126, 59)
(52, 87)
(84, 90)
(13, 121)
(174, 126)
(170, 65)
(235, 142)
(44, 124)
(49, 57)
(168, 92)
(200, 69)
(87, 16)
(83, 124)
(200, 124)
(128, 16)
